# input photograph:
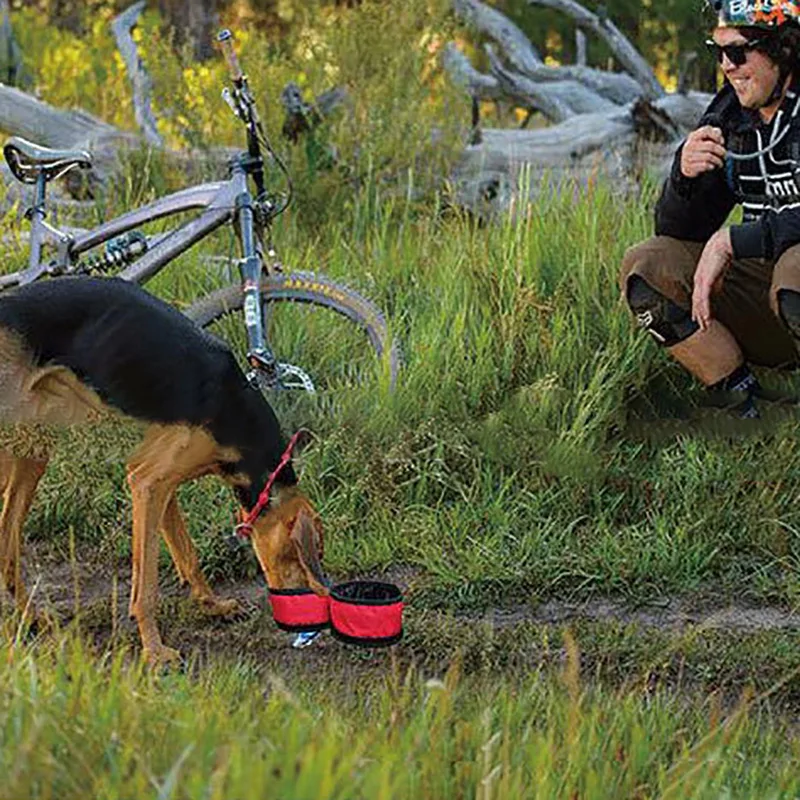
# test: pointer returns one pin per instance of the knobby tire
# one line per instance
(306, 287)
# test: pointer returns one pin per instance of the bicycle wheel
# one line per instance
(310, 289)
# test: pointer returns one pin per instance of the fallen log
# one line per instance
(24, 115)
(617, 125)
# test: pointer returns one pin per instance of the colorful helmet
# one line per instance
(755, 13)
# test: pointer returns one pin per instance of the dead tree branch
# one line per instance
(627, 55)
(516, 45)
(613, 123)
(122, 25)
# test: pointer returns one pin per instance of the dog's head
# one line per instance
(289, 544)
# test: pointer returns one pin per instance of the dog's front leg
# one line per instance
(184, 556)
(168, 456)
(150, 499)
(19, 478)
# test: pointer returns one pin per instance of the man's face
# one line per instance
(752, 81)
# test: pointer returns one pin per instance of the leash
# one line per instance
(245, 527)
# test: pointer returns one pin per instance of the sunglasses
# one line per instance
(736, 53)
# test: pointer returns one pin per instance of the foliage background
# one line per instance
(662, 31)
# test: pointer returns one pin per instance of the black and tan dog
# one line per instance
(77, 351)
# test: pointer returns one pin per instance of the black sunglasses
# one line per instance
(736, 53)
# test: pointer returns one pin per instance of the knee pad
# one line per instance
(789, 308)
(664, 320)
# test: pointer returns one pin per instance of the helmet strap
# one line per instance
(777, 91)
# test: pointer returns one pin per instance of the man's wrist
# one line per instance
(723, 236)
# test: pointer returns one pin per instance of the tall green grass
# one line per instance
(515, 455)
(73, 726)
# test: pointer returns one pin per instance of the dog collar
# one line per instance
(245, 527)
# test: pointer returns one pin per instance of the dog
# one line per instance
(83, 350)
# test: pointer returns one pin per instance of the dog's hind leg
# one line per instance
(20, 477)
(184, 556)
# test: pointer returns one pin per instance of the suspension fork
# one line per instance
(259, 355)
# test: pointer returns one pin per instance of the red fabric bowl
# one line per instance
(299, 610)
(367, 613)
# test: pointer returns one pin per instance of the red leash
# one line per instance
(245, 527)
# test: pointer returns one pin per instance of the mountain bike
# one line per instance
(118, 246)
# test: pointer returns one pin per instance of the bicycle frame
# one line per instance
(220, 203)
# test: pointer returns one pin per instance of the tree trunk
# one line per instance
(122, 25)
(12, 70)
(194, 22)
(65, 14)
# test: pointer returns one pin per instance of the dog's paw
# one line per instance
(221, 607)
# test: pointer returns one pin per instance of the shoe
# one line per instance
(741, 402)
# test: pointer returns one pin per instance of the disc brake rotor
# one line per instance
(292, 377)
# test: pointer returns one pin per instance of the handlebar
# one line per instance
(225, 39)
(243, 105)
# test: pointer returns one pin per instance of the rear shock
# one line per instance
(118, 253)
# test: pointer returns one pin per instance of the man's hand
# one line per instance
(703, 150)
(709, 274)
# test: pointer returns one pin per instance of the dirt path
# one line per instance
(92, 582)
(674, 613)
(681, 643)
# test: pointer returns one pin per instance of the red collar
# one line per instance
(245, 527)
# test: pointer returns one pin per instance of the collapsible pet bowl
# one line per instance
(299, 610)
(367, 613)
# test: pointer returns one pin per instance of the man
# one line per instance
(719, 297)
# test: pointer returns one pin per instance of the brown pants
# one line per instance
(747, 305)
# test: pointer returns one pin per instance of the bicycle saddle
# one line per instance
(27, 160)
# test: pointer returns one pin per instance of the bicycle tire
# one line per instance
(310, 288)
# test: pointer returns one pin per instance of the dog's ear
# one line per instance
(306, 537)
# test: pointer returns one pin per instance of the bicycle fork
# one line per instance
(267, 372)
(259, 356)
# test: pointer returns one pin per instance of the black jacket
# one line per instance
(767, 187)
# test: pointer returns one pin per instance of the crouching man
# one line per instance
(720, 297)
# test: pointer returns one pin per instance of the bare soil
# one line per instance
(93, 588)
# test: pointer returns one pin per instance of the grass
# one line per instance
(76, 726)
(515, 455)
(509, 466)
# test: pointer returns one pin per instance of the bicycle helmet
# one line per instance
(765, 14)
(776, 23)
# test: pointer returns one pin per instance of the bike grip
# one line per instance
(225, 39)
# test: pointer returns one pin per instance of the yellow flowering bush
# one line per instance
(402, 117)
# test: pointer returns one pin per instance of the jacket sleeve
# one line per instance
(781, 231)
(768, 237)
(694, 208)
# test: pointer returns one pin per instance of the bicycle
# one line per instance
(131, 255)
